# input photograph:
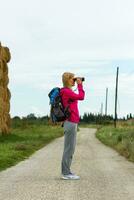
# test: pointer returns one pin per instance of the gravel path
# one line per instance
(105, 175)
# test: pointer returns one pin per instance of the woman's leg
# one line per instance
(70, 130)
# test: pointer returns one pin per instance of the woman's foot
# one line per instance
(70, 176)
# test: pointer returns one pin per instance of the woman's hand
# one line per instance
(79, 81)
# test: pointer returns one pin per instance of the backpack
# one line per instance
(57, 111)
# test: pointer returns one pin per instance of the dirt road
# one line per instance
(105, 175)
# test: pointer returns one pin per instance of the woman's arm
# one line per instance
(80, 96)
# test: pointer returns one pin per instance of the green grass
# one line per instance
(21, 143)
(121, 139)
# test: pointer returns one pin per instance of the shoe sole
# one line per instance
(65, 178)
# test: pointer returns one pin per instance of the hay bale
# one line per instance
(1, 71)
(8, 120)
(1, 91)
(5, 122)
(5, 80)
(5, 95)
(6, 107)
(5, 68)
(1, 105)
(5, 54)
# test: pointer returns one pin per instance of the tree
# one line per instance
(31, 116)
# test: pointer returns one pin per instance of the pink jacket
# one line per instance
(68, 95)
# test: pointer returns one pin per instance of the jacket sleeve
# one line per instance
(80, 96)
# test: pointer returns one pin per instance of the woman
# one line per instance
(71, 123)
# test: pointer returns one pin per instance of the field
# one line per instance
(120, 138)
(23, 142)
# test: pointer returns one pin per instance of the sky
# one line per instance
(88, 38)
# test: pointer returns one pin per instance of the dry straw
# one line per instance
(5, 95)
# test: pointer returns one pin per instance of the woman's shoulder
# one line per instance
(64, 90)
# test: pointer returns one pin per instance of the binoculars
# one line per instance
(82, 78)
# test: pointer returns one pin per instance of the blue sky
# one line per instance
(88, 38)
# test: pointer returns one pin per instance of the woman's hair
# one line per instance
(66, 76)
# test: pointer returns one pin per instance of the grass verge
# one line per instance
(21, 143)
(121, 139)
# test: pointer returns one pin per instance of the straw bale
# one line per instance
(5, 95)
(5, 54)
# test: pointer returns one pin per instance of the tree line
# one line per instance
(91, 118)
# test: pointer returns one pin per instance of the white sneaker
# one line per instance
(70, 177)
